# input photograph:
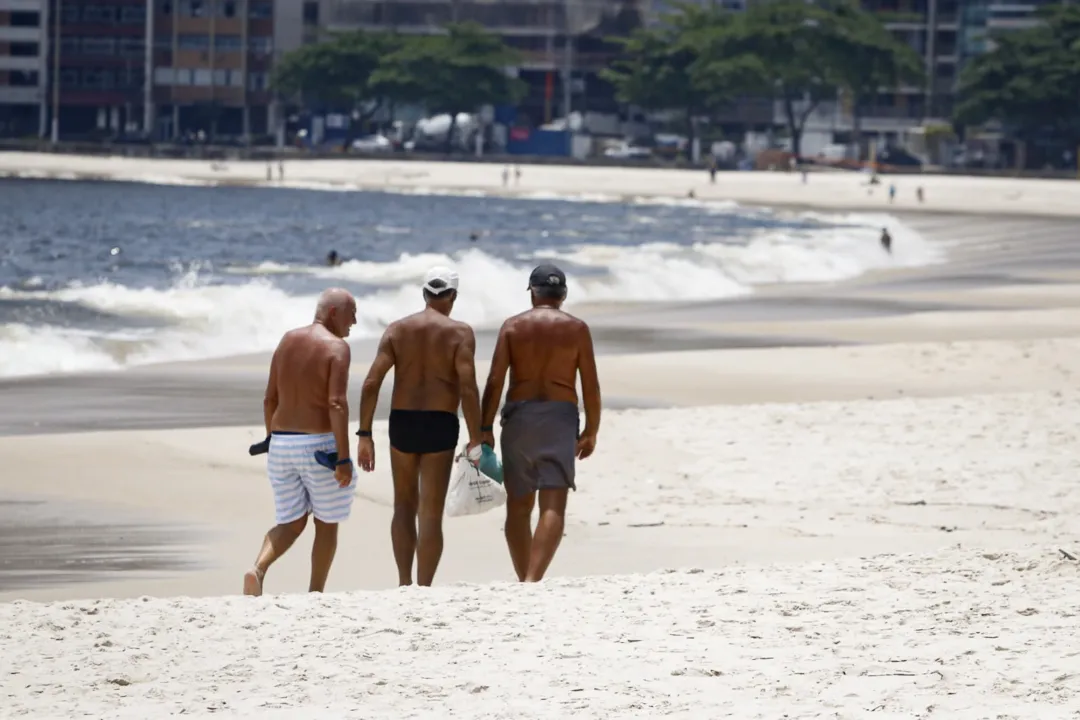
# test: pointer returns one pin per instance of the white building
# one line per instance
(23, 67)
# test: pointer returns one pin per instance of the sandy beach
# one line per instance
(850, 499)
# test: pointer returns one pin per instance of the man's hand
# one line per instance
(473, 452)
(585, 446)
(344, 474)
(488, 438)
(365, 454)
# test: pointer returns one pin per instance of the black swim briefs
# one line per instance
(418, 432)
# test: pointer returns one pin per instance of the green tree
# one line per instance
(1030, 81)
(451, 73)
(865, 59)
(336, 74)
(666, 68)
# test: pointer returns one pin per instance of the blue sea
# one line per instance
(107, 275)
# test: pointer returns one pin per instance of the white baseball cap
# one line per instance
(439, 279)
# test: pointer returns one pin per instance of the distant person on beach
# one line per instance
(886, 240)
(333, 259)
(434, 371)
(306, 409)
(544, 349)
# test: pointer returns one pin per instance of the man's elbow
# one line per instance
(270, 400)
(339, 404)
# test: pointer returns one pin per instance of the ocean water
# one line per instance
(106, 275)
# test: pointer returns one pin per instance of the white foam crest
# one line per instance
(26, 350)
(407, 267)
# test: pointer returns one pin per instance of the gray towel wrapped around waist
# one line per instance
(539, 440)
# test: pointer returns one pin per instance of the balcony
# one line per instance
(20, 34)
(19, 63)
(21, 5)
(20, 95)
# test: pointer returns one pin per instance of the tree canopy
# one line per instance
(1030, 81)
(699, 59)
(453, 72)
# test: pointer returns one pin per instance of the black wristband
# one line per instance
(363, 433)
(487, 428)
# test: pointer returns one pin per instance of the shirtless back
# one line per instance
(545, 350)
(306, 412)
(434, 371)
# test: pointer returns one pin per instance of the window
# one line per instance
(226, 8)
(203, 77)
(98, 46)
(69, 78)
(192, 8)
(23, 49)
(71, 14)
(227, 43)
(163, 76)
(70, 45)
(97, 78)
(181, 76)
(221, 78)
(194, 42)
(23, 78)
(99, 15)
(25, 19)
(131, 46)
(133, 15)
(257, 81)
(163, 42)
(311, 12)
(261, 45)
(165, 7)
(261, 11)
(236, 78)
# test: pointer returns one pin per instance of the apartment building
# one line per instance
(562, 42)
(23, 67)
(211, 67)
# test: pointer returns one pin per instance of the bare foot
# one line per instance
(253, 582)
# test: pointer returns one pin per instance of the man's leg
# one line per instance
(549, 532)
(435, 471)
(406, 471)
(275, 544)
(518, 528)
(322, 554)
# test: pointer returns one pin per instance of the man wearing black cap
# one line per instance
(544, 349)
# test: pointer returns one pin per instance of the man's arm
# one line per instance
(500, 363)
(465, 365)
(338, 396)
(270, 398)
(369, 391)
(590, 381)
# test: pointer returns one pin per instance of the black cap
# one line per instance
(546, 276)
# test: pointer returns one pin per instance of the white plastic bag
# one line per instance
(471, 492)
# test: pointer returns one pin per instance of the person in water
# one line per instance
(433, 358)
(333, 259)
(545, 350)
(886, 240)
(306, 410)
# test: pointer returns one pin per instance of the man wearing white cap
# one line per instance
(434, 361)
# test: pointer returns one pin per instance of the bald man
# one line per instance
(306, 411)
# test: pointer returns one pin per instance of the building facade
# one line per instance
(23, 67)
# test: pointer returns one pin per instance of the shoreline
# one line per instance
(832, 192)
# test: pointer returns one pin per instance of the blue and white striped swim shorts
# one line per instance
(301, 485)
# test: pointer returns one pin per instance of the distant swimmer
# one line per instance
(886, 240)
(545, 350)
(306, 410)
(333, 259)
(434, 372)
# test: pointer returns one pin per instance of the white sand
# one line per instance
(824, 190)
(960, 634)
(797, 478)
